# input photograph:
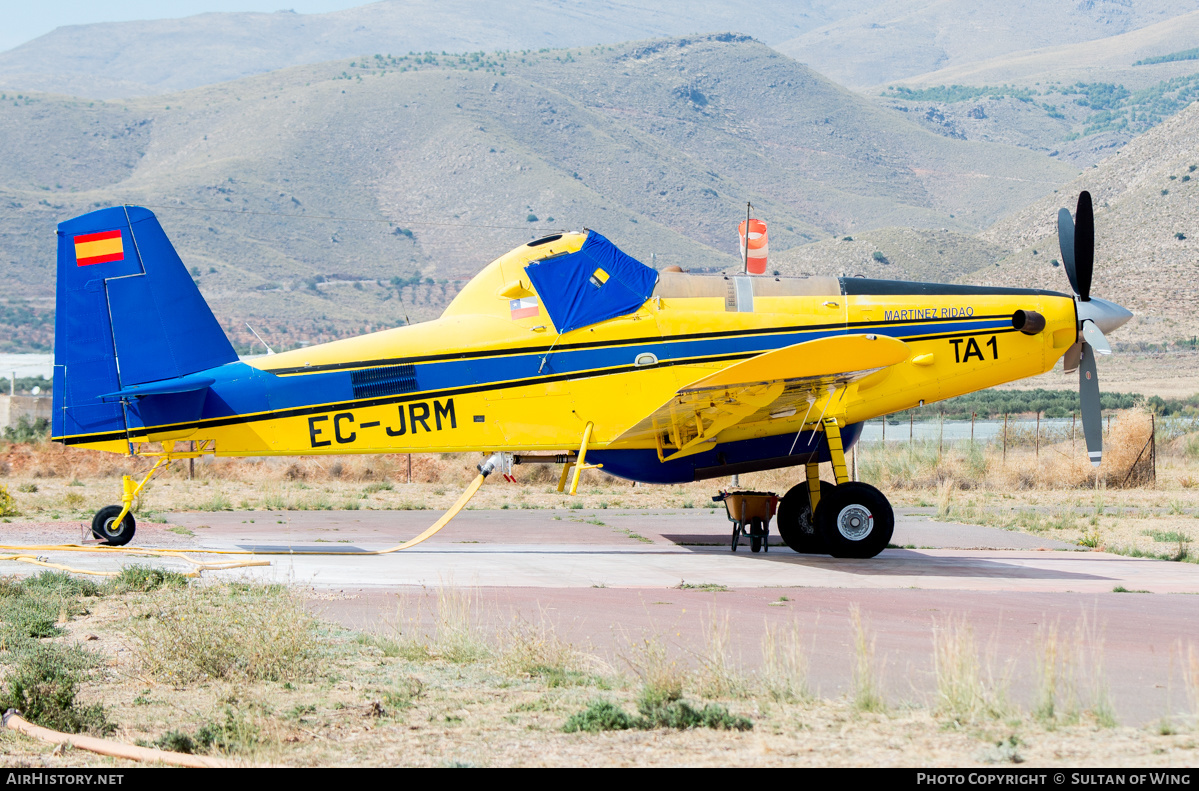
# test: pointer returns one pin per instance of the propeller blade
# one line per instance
(1071, 358)
(1084, 245)
(1092, 414)
(1065, 242)
(1094, 336)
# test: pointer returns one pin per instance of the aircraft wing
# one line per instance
(773, 385)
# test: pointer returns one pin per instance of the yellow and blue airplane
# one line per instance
(568, 348)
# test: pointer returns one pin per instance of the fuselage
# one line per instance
(492, 373)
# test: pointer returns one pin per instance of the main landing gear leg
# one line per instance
(854, 519)
(114, 524)
(848, 520)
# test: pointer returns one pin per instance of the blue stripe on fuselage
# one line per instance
(241, 389)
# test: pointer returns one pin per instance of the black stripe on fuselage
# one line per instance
(566, 347)
(455, 391)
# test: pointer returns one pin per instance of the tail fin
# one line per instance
(127, 312)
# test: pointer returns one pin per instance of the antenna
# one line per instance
(269, 350)
(745, 263)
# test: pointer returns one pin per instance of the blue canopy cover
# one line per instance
(597, 283)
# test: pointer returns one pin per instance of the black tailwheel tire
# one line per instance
(795, 524)
(756, 536)
(855, 520)
(105, 527)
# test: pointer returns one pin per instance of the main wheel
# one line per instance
(795, 524)
(105, 527)
(855, 520)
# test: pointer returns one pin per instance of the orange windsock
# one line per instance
(757, 245)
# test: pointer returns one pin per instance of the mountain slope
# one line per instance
(893, 40)
(1146, 196)
(430, 169)
(160, 56)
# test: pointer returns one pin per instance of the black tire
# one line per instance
(103, 526)
(795, 524)
(756, 535)
(855, 520)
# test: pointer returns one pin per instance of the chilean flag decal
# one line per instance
(523, 308)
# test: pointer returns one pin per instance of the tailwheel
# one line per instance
(795, 523)
(106, 528)
(855, 520)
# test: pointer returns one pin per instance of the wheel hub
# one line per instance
(855, 522)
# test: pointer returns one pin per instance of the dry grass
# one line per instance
(867, 688)
(965, 691)
(1071, 678)
(721, 674)
(227, 631)
(785, 664)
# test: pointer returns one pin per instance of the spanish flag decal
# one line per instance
(99, 248)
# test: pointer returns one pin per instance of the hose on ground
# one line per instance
(21, 552)
(15, 722)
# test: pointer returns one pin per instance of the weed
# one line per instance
(43, 687)
(784, 663)
(1091, 539)
(145, 579)
(1122, 589)
(1190, 677)
(457, 639)
(535, 650)
(72, 500)
(866, 693)
(230, 631)
(378, 486)
(962, 693)
(661, 676)
(402, 696)
(176, 742)
(600, 715)
(234, 734)
(28, 488)
(709, 587)
(1167, 536)
(632, 535)
(720, 675)
(218, 502)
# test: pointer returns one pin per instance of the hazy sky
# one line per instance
(23, 21)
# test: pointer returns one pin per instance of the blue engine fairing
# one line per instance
(751, 455)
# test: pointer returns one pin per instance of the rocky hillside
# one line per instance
(355, 193)
(1147, 233)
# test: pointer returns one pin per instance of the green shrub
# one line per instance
(43, 688)
(176, 742)
(600, 715)
(145, 579)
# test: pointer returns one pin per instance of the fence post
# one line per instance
(409, 468)
(1073, 431)
(1038, 435)
(1005, 438)
(972, 416)
(1153, 446)
(941, 447)
(884, 428)
(911, 426)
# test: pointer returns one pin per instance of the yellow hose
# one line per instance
(182, 554)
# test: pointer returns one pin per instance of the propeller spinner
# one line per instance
(1076, 238)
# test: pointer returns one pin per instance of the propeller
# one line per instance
(1076, 238)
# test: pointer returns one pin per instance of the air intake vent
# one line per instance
(385, 381)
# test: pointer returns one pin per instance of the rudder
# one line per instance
(127, 313)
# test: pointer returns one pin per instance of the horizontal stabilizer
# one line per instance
(183, 384)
